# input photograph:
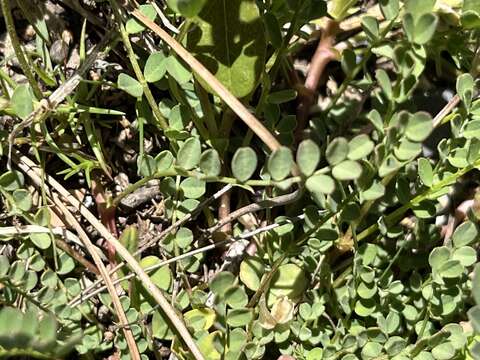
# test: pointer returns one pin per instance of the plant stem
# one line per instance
(162, 122)
(175, 172)
(10, 25)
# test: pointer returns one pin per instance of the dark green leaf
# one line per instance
(229, 40)
(22, 101)
(308, 156)
(210, 163)
(347, 170)
(337, 151)
(244, 163)
(189, 154)
(280, 163)
(322, 184)
(130, 85)
(155, 67)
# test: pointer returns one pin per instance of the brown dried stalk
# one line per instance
(31, 169)
(323, 55)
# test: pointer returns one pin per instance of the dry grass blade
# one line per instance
(250, 120)
(70, 219)
(32, 169)
(66, 215)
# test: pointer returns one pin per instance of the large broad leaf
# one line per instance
(230, 41)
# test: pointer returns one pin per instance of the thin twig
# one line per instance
(447, 109)
(31, 169)
(250, 120)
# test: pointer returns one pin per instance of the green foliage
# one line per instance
(372, 256)
(231, 31)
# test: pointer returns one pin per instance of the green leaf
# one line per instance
(282, 96)
(347, 170)
(472, 130)
(418, 8)
(239, 317)
(66, 264)
(155, 67)
(289, 280)
(451, 269)
(476, 284)
(308, 156)
(389, 8)
(164, 160)
(360, 147)
(407, 150)
(4, 265)
(130, 85)
(365, 307)
(425, 171)
(12, 180)
(236, 297)
(349, 61)
(161, 327)
(474, 316)
(221, 282)
(370, 26)
(337, 151)
(183, 237)
(371, 350)
(134, 26)
(425, 28)
(280, 163)
(465, 88)
(22, 101)
(419, 126)
(385, 83)
(23, 199)
(189, 154)
(320, 184)
(193, 188)
(210, 163)
(466, 255)
(162, 276)
(41, 240)
(178, 70)
(251, 272)
(465, 234)
(188, 8)
(244, 163)
(147, 166)
(229, 40)
(438, 256)
(444, 351)
(339, 8)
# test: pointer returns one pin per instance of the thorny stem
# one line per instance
(10, 25)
